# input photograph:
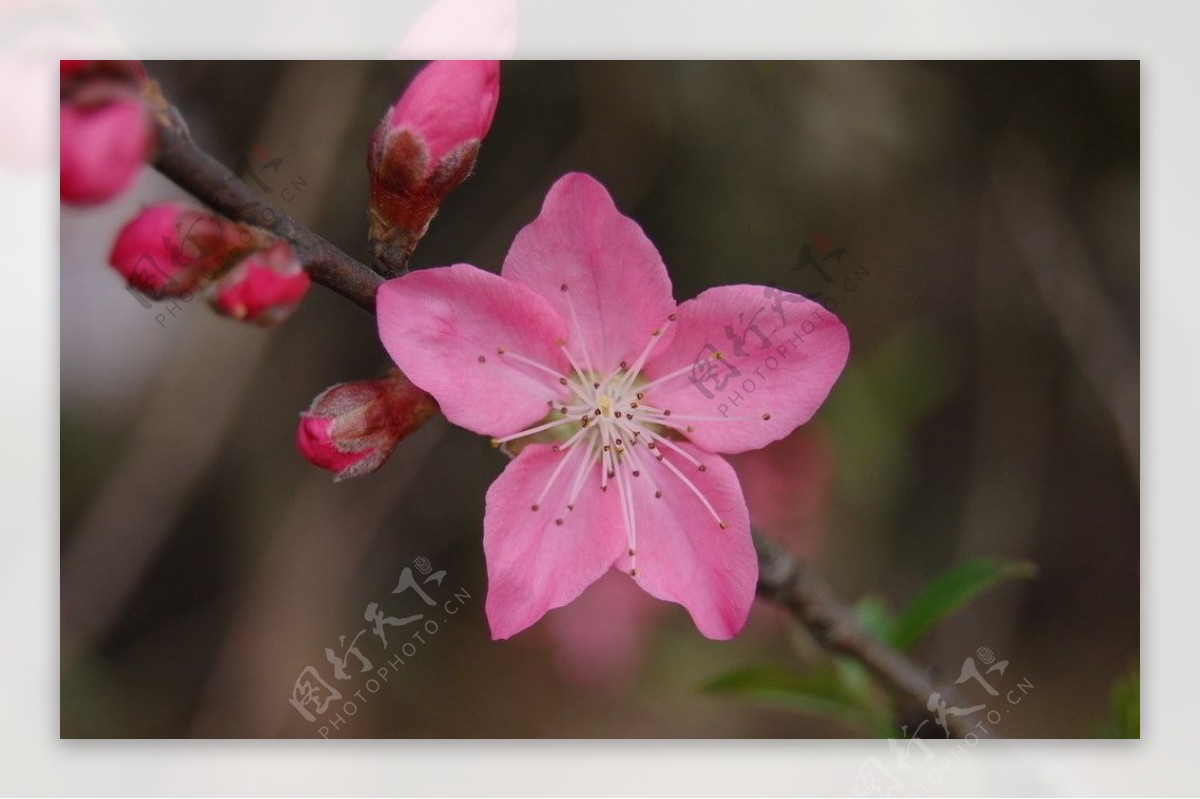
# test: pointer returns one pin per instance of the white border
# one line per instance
(1161, 34)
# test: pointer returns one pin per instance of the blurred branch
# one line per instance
(786, 581)
(783, 579)
(195, 171)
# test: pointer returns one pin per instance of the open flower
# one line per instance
(619, 401)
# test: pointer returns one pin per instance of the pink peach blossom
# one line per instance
(578, 354)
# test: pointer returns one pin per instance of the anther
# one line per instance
(482, 359)
(597, 412)
(632, 553)
(500, 350)
(562, 381)
(672, 317)
(624, 365)
(658, 495)
(703, 468)
(563, 287)
(495, 442)
(606, 447)
(656, 332)
(561, 343)
(640, 395)
(633, 572)
(595, 385)
(766, 416)
(717, 356)
(722, 525)
(558, 521)
(617, 414)
(691, 429)
(633, 405)
(636, 473)
(667, 412)
(611, 473)
(534, 507)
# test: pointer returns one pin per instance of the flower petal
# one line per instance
(615, 278)
(443, 327)
(780, 355)
(534, 562)
(683, 554)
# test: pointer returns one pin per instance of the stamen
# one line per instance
(554, 476)
(699, 494)
(547, 426)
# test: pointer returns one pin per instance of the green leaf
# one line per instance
(1125, 708)
(819, 691)
(875, 616)
(951, 590)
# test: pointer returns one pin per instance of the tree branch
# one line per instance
(208, 180)
(786, 581)
(782, 579)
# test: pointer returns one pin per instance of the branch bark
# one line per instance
(783, 579)
(198, 173)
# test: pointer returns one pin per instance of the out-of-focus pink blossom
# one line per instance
(101, 149)
(106, 131)
(464, 28)
(351, 429)
(264, 287)
(168, 248)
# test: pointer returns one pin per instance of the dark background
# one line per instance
(990, 405)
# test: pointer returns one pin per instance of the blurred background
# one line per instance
(987, 216)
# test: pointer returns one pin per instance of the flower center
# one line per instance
(611, 421)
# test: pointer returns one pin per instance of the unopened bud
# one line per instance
(424, 146)
(106, 131)
(351, 429)
(263, 288)
(168, 248)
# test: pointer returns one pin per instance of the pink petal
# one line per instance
(784, 376)
(683, 554)
(614, 276)
(535, 564)
(443, 328)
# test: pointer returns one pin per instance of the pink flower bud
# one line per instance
(264, 288)
(351, 429)
(449, 104)
(168, 248)
(106, 131)
(102, 149)
(423, 148)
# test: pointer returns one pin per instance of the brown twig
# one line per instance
(786, 581)
(208, 180)
(782, 579)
